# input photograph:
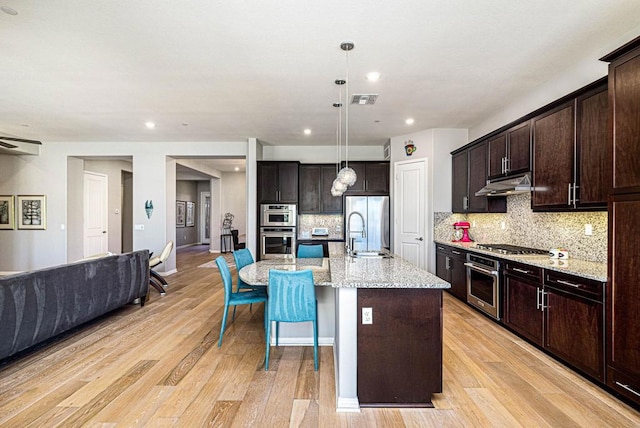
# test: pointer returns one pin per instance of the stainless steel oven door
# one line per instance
(483, 289)
(277, 242)
(278, 215)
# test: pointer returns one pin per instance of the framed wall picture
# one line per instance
(191, 209)
(180, 213)
(7, 212)
(32, 212)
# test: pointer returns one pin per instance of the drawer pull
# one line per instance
(628, 388)
(456, 252)
(521, 270)
(570, 284)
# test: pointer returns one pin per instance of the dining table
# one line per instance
(257, 274)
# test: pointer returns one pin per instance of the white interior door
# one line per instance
(96, 237)
(205, 217)
(409, 209)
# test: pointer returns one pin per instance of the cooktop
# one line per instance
(511, 249)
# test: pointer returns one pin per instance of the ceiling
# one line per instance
(96, 71)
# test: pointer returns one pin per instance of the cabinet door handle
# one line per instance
(543, 294)
(465, 202)
(521, 270)
(628, 388)
(502, 165)
(440, 248)
(447, 265)
(538, 298)
(570, 284)
(506, 165)
(574, 193)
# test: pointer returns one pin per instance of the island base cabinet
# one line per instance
(400, 352)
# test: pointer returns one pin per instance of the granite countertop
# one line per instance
(394, 272)
(340, 270)
(581, 268)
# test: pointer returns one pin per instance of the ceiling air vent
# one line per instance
(364, 99)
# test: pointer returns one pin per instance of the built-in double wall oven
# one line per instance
(483, 284)
(277, 231)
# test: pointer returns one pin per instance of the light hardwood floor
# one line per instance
(160, 366)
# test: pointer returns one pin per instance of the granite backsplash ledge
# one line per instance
(524, 227)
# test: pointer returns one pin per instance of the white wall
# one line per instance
(435, 145)
(234, 200)
(153, 171)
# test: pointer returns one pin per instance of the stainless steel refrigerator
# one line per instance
(375, 212)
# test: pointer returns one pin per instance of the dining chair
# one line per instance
(292, 298)
(235, 299)
(243, 258)
(308, 251)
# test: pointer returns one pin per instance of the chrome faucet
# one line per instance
(350, 240)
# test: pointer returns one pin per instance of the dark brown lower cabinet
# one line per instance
(522, 305)
(563, 314)
(450, 267)
(574, 322)
(400, 353)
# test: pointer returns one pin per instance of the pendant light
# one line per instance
(338, 188)
(347, 176)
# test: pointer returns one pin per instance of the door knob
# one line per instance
(419, 239)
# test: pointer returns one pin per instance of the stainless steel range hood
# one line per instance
(507, 186)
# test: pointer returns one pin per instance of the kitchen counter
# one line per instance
(365, 272)
(581, 268)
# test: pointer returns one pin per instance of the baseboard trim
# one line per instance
(347, 405)
(302, 341)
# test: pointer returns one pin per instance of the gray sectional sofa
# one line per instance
(38, 305)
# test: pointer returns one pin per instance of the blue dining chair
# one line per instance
(242, 258)
(292, 298)
(309, 251)
(235, 299)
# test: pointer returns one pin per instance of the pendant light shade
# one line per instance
(338, 187)
(347, 176)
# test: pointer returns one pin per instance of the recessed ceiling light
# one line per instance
(8, 10)
(372, 76)
(236, 169)
(307, 131)
(409, 121)
(150, 125)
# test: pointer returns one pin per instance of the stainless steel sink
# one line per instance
(372, 255)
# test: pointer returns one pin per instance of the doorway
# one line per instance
(205, 217)
(410, 208)
(126, 218)
(96, 236)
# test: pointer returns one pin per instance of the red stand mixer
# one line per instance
(461, 232)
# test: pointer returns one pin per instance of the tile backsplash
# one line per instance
(306, 222)
(524, 227)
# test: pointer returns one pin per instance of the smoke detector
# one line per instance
(364, 99)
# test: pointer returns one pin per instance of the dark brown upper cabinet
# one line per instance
(469, 174)
(373, 178)
(509, 152)
(315, 181)
(277, 182)
(553, 142)
(571, 161)
(624, 101)
(593, 157)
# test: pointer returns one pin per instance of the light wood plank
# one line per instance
(160, 366)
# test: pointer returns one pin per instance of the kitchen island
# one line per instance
(391, 358)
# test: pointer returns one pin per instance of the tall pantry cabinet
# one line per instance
(623, 294)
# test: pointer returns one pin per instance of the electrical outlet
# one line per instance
(473, 223)
(503, 225)
(367, 315)
(338, 229)
(588, 229)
